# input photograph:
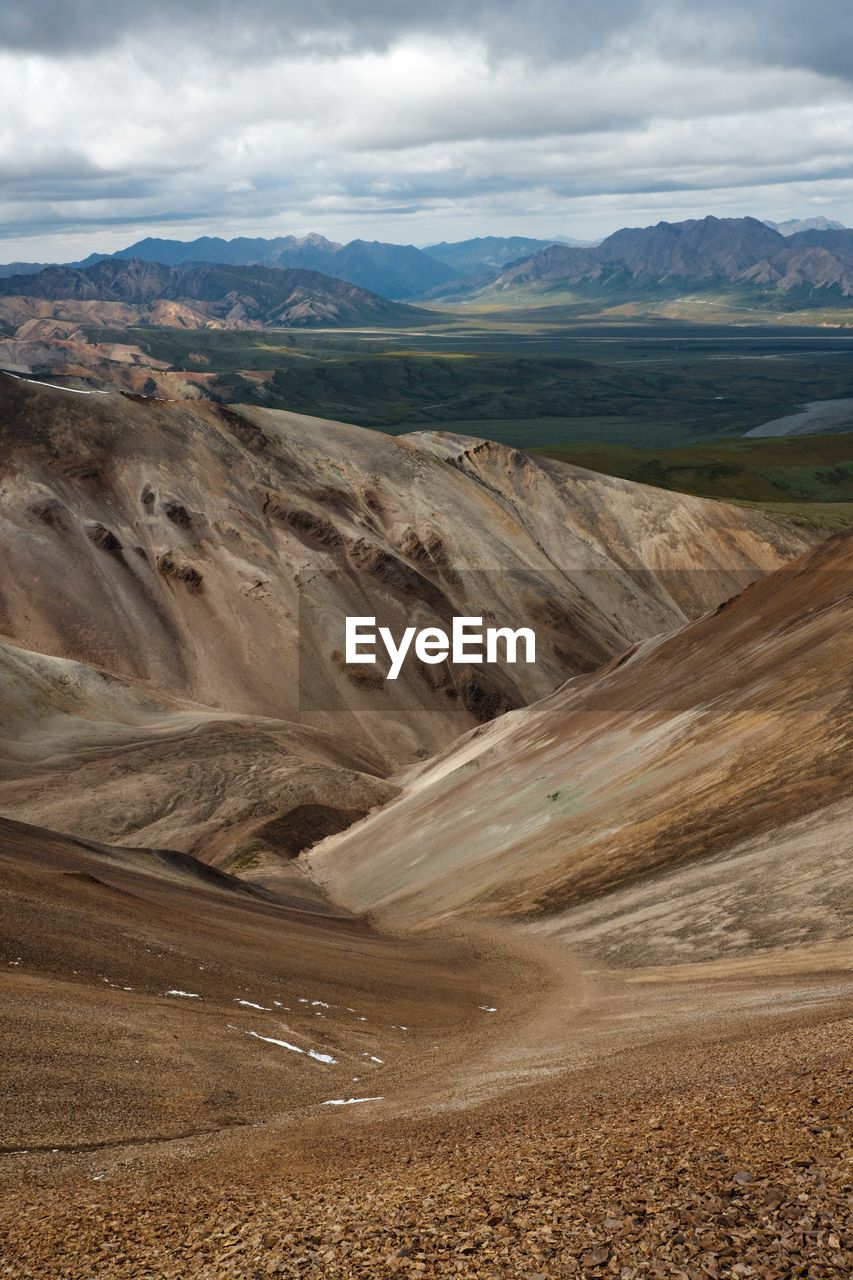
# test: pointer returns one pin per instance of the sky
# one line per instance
(414, 122)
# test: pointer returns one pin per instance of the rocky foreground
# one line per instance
(723, 1159)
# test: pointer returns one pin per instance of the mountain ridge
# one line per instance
(800, 254)
(396, 271)
(793, 225)
(241, 296)
(673, 257)
(214, 552)
(484, 253)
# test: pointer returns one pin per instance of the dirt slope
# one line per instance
(57, 349)
(692, 801)
(110, 759)
(147, 997)
(195, 546)
(151, 1133)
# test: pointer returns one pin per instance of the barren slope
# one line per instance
(109, 759)
(57, 349)
(195, 546)
(182, 1055)
(146, 997)
(690, 802)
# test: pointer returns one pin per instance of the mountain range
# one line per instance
(488, 253)
(198, 295)
(22, 268)
(801, 263)
(792, 225)
(673, 258)
(397, 271)
(394, 270)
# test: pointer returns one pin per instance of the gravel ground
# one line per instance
(729, 1159)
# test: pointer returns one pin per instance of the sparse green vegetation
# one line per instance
(534, 380)
(701, 303)
(247, 859)
(805, 480)
(796, 470)
(830, 517)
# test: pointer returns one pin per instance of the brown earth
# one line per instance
(690, 800)
(56, 349)
(113, 759)
(588, 1126)
(22, 313)
(603, 1030)
(214, 553)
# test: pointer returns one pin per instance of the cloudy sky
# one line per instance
(415, 121)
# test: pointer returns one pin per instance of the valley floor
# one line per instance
(575, 1121)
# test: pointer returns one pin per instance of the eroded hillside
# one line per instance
(216, 551)
(688, 802)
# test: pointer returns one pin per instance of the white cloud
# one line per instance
(410, 135)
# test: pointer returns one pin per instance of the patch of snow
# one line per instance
(77, 391)
(347, 1102)
(372, 1058)
(294, 1048)
(250, 1004)
(487, 1008)
(188, 995)
(321, 1057)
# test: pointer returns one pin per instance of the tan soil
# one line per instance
(596, 1123)
(645, 1075)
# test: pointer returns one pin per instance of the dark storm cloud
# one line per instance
(816, 35)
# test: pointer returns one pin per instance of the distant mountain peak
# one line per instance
(682, 256)
(792, 226)
(483, 254)
(394, 271)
